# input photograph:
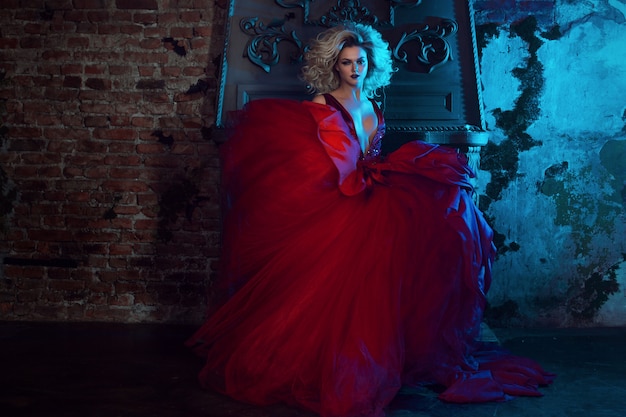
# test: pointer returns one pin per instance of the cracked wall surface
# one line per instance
(553, 179)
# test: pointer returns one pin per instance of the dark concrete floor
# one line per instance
(116, 370)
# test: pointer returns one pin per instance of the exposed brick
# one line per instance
(121, 300)
(121, 16)
(199, 44)
(31, 42)
(125, 186)
(115, 134)
(122, 160)
(72, 82)
(25, 132)
(82, 42)
(131, 29)
(87, 90)
(72, 121)
(108, 29)
(43, 119)
(94, 236)
(148, 57)
(145, 18)
(90, 4)
(150, 43)
(97, 56)
(146, 199)
(181, 32)
(50, 171)
(51, 235)
(25, 145)
(184, 149)
(119, 70)
(97, 69)
(150, 148)
(76, 312)
(146, 299)
(190, 16)
(125, 173)
(106, 312)
(121, 249)
(137, 4)
(62, 56)
(157, 97)
(168, 19)
(203, 31)
(155, 32)
(96, 121)
(98, 83)
(72, 69)
(60, 94)
(98, 16)
(31, 284)
(146, 224)
(23, 272)
(98, 108)
(74, 16)
(96, 172)
(20, 246)
(170, 71)
(86, 27)
(150, 84)
(145, 71)
(63, 134)
(142, 121)
(9, 43)
(121, 148)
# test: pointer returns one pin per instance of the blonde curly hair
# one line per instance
(319, 73)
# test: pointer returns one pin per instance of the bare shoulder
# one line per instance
(319, 99)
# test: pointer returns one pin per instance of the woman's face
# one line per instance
(352, 66)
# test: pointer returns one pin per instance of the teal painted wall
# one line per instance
(553, 177)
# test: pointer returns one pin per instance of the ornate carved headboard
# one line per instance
(435, 95)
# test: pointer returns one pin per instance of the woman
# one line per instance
(349, 274)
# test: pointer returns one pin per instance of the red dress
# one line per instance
(349, 275)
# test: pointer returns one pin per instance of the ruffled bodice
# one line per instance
(372, 153)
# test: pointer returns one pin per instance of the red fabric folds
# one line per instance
(345, 277)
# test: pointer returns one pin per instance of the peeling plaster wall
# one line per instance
(553, 183)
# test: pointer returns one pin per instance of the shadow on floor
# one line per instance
(140, 370)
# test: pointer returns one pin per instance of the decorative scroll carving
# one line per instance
(262, 49)
(429, 100)
(347, 11)
(433, 50)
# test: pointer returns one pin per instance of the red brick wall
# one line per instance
(109, 208)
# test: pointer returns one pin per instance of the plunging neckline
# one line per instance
(334, 102)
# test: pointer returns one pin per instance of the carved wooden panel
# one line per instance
(434, 96)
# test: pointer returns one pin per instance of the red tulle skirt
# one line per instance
(343, 279)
